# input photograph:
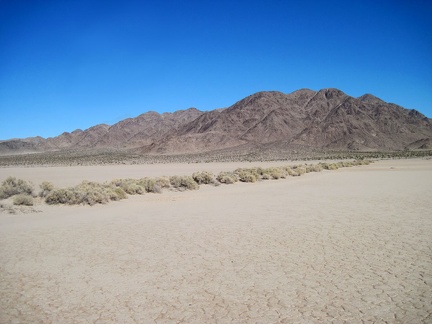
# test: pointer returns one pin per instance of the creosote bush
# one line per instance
(13, 186)
(23, 200)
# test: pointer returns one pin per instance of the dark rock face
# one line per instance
(325, 119)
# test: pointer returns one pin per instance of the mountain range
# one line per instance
(327, 119)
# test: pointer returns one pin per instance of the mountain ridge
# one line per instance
(327, 119)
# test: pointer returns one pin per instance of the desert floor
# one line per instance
(351, 245)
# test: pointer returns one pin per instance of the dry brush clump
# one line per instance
(183, 183)
(227, 177)
(91, 193)
(86, 193)
(129, 186)
(247, 174)
(12, 186)
(203, 177)
(23, 200)
(46, 187)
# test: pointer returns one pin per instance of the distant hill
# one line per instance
(325, 119)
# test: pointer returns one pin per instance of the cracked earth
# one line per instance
(352, 245)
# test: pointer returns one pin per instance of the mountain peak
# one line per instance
(369, 98)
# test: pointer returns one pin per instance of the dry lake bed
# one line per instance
(351, 245)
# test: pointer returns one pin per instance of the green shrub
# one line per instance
(22, 199)
(203, 177)
(12, 186)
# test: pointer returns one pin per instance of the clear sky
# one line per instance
(74, 64)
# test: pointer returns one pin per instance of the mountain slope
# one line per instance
(325, 119)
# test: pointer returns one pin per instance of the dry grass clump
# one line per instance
(183, 183)
(23, 200)
(227, 177)
(13, 186)
(86, 193)
(203, 177)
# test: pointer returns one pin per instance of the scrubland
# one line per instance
(92, 193)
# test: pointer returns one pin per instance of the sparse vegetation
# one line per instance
(183, 183)
(86, 193)
(203, 177)
(227, 177)
(46, 187)
(13, 186)
(91, 193)
(22, 199)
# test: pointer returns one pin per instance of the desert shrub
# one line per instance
(130, 186)
(275, 173)
(313, 168)
(289, 171)
(300, 170)
(333, 166)
(266, 176)
(86, 193)
(324, 165)
(361, 162)
(247, 175)
(227, 177)
(175, 181)
(46, 187)
(203, 177)
(163, 182)
(116, 193)
(62, 196)
(22, 199)
(150, 185)
(13, 186)
(183, 182)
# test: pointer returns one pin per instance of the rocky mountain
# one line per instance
(325, 119)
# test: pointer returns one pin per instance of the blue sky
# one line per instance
(74, 64)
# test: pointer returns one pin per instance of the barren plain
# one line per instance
(349, 245)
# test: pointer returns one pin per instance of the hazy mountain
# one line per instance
(325, 119)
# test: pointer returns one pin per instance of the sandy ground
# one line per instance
(71, 176)
(348, 245)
